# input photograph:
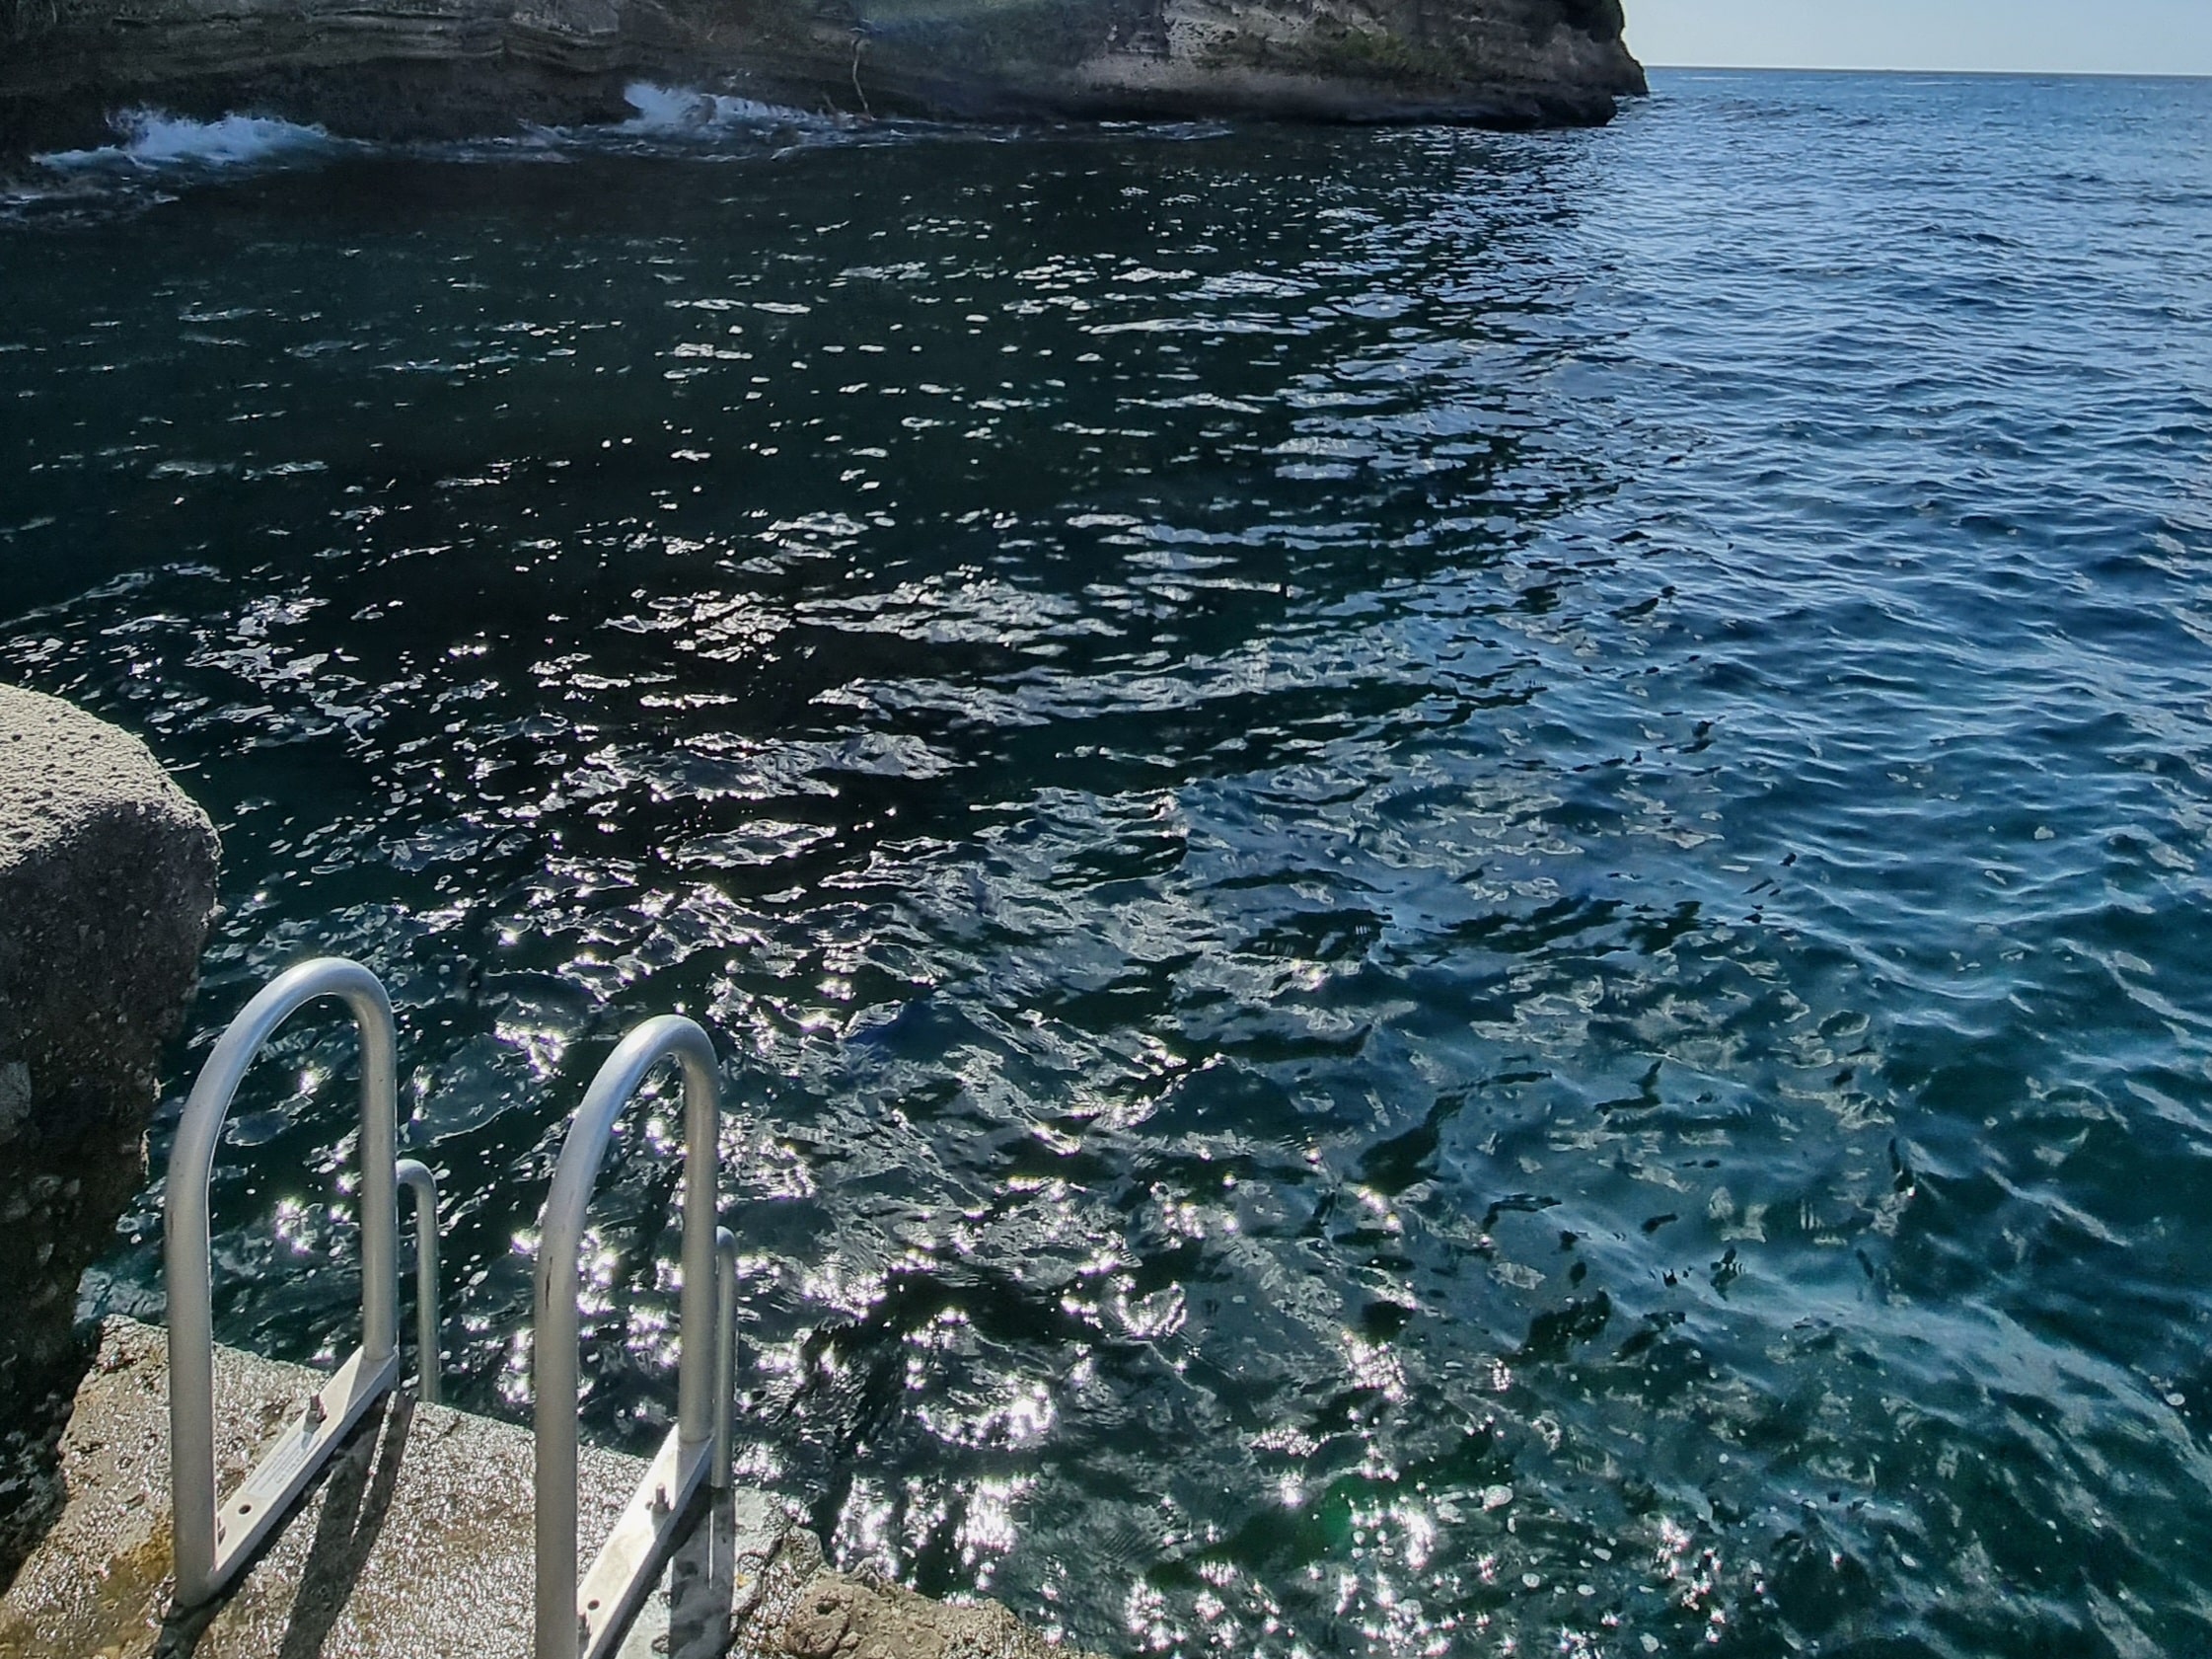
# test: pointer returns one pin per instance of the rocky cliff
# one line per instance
(432, 68)
(106, 889)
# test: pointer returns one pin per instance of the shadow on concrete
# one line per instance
(355, 1494)
(356, 1499)
(703, 1606)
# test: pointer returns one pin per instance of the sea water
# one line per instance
(1455, 885)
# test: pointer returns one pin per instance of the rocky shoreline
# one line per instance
(433, 70)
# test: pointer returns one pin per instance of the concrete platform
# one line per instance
(417, 1543)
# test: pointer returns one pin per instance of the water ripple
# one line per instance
(1450, 878)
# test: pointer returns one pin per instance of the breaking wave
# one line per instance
(152, 139)
(154, 152)
(682, 111)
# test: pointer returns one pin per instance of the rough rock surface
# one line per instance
(441, 68)
(107, 888)
(833, 1617)
(417, 1541)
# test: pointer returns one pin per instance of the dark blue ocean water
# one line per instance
(1457, 885)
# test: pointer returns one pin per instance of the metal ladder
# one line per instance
(588, 1621)
(573, 1620)
(214, 1540)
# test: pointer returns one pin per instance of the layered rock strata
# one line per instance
(444, 68)
(106, 889)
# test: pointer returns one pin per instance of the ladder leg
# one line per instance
(422, 1186)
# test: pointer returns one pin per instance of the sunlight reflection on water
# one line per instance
(1448, 881)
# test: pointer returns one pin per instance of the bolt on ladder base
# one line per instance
(246, 1516)
(629, 1562)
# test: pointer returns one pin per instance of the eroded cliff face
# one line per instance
(435, 68)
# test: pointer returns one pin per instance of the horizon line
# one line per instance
(1923, 69)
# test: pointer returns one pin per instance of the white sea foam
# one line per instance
(674, 111)
(149, 138)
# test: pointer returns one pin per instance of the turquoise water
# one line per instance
(1454, 883)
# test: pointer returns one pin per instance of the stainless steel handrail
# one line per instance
(725, 1357)
(422, 1186)
(212, 1543)
(590, 1618)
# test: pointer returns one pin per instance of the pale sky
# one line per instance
(2089, 37)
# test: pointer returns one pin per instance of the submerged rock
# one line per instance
(449, 68)
(106, 889)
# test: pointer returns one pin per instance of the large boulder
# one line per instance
(106, 889)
